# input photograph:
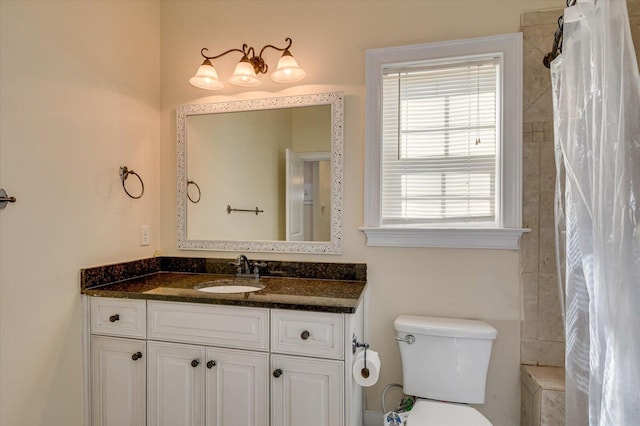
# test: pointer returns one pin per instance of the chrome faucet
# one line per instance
(245, 268)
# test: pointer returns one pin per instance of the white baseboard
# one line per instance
(372, 418)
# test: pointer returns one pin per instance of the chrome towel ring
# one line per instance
(199, 192)
(124, 174)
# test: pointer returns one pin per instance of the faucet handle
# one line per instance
(256, 268)
(238, 266)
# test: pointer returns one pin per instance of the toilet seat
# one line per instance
(433, 413)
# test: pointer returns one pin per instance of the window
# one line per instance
(444, 125)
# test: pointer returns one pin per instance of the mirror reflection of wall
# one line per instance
(238, 159)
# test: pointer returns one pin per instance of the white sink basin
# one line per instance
(229, 286)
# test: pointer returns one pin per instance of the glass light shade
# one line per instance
(206, 77)
(288, 70)
(244, 75)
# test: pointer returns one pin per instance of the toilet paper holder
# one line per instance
(355, 345)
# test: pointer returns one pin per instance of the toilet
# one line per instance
(444, 365)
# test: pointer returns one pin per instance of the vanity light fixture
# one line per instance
(247, 70)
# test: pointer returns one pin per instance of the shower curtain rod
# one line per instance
(557, 40)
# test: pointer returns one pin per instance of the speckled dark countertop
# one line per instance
(309, 286)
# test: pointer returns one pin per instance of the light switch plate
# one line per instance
(145, 235)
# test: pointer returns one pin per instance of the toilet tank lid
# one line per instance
(447, 327)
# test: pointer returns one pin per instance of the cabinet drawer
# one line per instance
(118, 317)
(307, 333)
(245, 328)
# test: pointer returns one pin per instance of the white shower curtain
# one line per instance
(597, 137)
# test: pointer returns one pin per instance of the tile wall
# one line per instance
(542, 393)
(542, 331)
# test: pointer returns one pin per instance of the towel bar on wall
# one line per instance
(4, 199)
(256, 210)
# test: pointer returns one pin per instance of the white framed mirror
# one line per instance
(262, 175)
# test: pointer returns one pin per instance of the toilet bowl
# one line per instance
(444, 365)
(435, 413)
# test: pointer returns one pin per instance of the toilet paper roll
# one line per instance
(373, 364)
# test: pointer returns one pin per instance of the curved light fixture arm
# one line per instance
(222, 54)
(248, 50)
(283, 49)
(259, 64)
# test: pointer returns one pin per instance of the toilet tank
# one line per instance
(448, 359)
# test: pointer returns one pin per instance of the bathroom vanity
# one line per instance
(160, 352)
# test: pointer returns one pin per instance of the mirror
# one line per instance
(261, 175)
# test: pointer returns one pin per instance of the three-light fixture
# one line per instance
(247, 70)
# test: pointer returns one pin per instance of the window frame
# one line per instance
(506, 234)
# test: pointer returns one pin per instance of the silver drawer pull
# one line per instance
(407, 339)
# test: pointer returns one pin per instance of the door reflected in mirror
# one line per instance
(267, 174)
(307, 195)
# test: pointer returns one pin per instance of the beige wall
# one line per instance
(312, 129)
(79, 97)
(330, 39)
(242, 166)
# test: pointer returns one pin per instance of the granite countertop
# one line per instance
(311, 292)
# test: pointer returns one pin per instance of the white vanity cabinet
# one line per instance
(118, 364)
(216, 365)
(237, 387)
(306, 390)
(207, 384)
(176, 384)
(195, 385)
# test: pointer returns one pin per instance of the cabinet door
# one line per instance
(306, 391)
(237, 388)
(118, 380)
(176, 384)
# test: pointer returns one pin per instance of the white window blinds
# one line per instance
(440, 133)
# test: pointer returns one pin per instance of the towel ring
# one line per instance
(199, 192)
(124, 174)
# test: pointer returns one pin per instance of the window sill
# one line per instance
(486, 238)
